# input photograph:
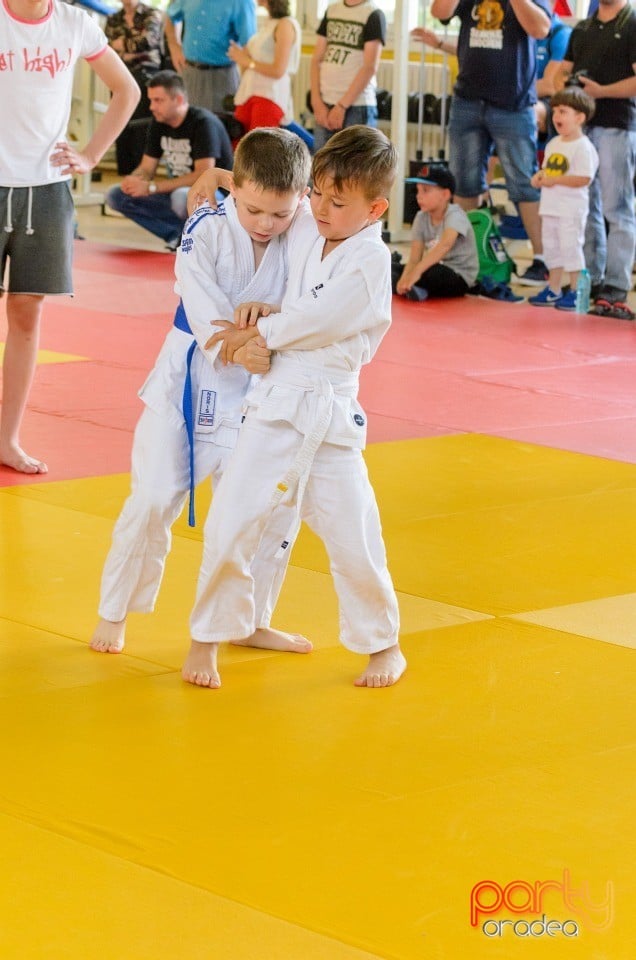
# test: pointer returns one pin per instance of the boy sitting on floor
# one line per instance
(443, 259)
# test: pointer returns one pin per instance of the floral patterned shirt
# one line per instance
(143, 42)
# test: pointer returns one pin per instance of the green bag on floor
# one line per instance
(494, 261)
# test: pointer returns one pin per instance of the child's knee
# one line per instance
(154, 507)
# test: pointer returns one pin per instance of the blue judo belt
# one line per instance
(181, 323)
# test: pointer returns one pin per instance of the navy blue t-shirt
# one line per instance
(497, 58)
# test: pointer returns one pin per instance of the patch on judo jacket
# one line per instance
(207, 403)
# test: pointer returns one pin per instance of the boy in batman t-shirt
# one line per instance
(569, 165)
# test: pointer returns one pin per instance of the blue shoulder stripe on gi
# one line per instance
(201, 213)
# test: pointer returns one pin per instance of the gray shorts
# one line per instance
(39, 246)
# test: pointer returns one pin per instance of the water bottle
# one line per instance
(583, 286)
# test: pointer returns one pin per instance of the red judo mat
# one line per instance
(470, 365)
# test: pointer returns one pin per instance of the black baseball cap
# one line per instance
(437, 176)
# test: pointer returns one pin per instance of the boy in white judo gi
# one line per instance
(301, 443)
(228, 255)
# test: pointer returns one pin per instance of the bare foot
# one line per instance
(15, 458)
(109, 636)
(200, 666)
(384, 668)
(267, 639)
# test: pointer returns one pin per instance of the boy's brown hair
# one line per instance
(273, 159)
(358, 156)
(576, 98)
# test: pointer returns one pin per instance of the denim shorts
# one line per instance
(36, 235)
(475, 128)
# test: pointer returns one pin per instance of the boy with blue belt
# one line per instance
(228, 255)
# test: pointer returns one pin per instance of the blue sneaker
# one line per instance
(547, 298)
(567, 301)
(492, 290)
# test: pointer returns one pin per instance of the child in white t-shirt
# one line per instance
(569, 165)
(42, 42)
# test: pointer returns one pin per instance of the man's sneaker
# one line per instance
(535, 276)
(567, 301)
(547, 298)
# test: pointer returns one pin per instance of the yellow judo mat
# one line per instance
(481, 809)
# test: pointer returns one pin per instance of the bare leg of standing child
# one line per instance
(20, 356)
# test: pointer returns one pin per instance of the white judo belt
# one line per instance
(322, 392)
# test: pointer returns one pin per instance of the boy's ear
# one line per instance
(378, 207)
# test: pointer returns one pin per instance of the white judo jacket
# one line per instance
(334, 315)
(214, 274)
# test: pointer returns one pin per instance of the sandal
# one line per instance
(620, 311)
(602, 308)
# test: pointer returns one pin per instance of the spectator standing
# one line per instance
(569, 165)
(344, 65)
(550, 53)
(135, 33)
(493, 104)
(190, 140)
(200, 51)
(36, 165)
(604, 48)
(271, 56)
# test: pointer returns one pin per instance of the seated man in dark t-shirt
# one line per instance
(189, 139)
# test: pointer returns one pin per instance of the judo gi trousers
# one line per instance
(142, 535)
(338, 505)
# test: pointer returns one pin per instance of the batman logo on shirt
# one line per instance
(557, 165)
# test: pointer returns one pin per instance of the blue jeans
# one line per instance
(473, 127)
(163, 214)
(609, 254)
(368, 116)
